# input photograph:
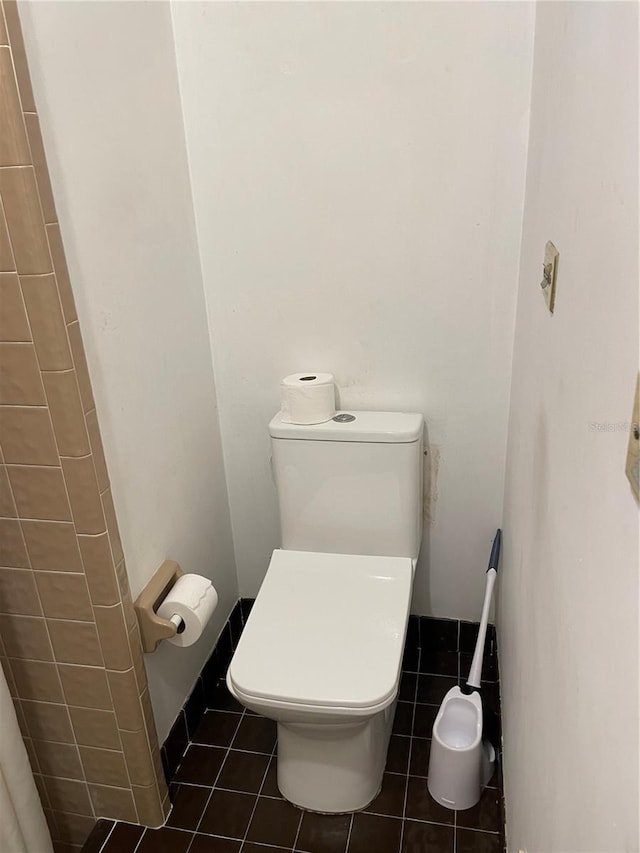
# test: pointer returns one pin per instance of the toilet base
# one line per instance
(333, 768)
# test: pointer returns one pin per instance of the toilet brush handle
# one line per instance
(475, 673)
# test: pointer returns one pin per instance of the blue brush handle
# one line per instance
(494, 559)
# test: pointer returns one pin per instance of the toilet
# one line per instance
(322, 649)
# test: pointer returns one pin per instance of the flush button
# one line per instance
(344, 418)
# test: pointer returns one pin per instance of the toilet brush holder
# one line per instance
(461, 762)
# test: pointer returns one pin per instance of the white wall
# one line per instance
(105, 82)
(358, 177)
(568, 620)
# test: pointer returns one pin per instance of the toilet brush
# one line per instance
(461, 760)
(475, 673)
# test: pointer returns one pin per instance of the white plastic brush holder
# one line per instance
(458, 763)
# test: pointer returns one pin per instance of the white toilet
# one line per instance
(322, 650)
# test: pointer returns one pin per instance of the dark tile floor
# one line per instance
(226, 800)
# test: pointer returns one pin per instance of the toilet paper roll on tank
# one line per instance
(308, 398)
(190, 603)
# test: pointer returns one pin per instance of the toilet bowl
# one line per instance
(321, 655)
(321, 652)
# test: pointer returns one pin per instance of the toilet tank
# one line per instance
(352, 486)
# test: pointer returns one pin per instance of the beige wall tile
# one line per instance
(42, 791)
(159, 769)
(75, 642)
(114, 638)
(13, 317)
(99, 570)
(25, 637)
(85, 686)
(82, 486)
(39, 492)
(125, 700)
(112, 527)
(115, 803)
(129, 611)
(147, 713)
(25, 221)
(12, 549)
(4, 36)
(62, 273)
(19, 55)
(95, 728)
(97, 450)
(7, 261)
(26, 435)
(64, 596)
(58, 759)
(48, 329)
(104, 766)
(22, 723)
(73, 829)
(14, 148)
(31, 752)
(123, 580)
(36, 680)
(68, 795)
(7, 505)
(39, 160)
(66, 413)
(138, 757)
(8, 674)
(80, 363)
(52, 546)
(138, 657)
(47, 721)
(20, 382)
(49, 816)
(149, 805)
(18, 592)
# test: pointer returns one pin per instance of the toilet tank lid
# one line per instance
(379, 427)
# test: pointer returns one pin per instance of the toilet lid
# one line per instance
(326, 630)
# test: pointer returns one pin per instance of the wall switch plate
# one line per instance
(549, 274)
(633, 450)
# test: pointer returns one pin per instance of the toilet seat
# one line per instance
(326, 633)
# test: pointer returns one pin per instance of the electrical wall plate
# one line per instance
(633, 450)
(549, 274)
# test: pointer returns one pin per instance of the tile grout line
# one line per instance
(255, 805)
(104, 843)
(206, 805)
(146, 829)
(413, 718)
(295, 840)
(346, 849)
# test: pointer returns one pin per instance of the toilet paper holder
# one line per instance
(154, 628)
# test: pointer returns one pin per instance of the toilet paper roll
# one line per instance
(192, 598)
(308, 398)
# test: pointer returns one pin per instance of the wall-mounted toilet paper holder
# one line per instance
(154, 628)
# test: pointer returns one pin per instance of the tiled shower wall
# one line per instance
(69, 640)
